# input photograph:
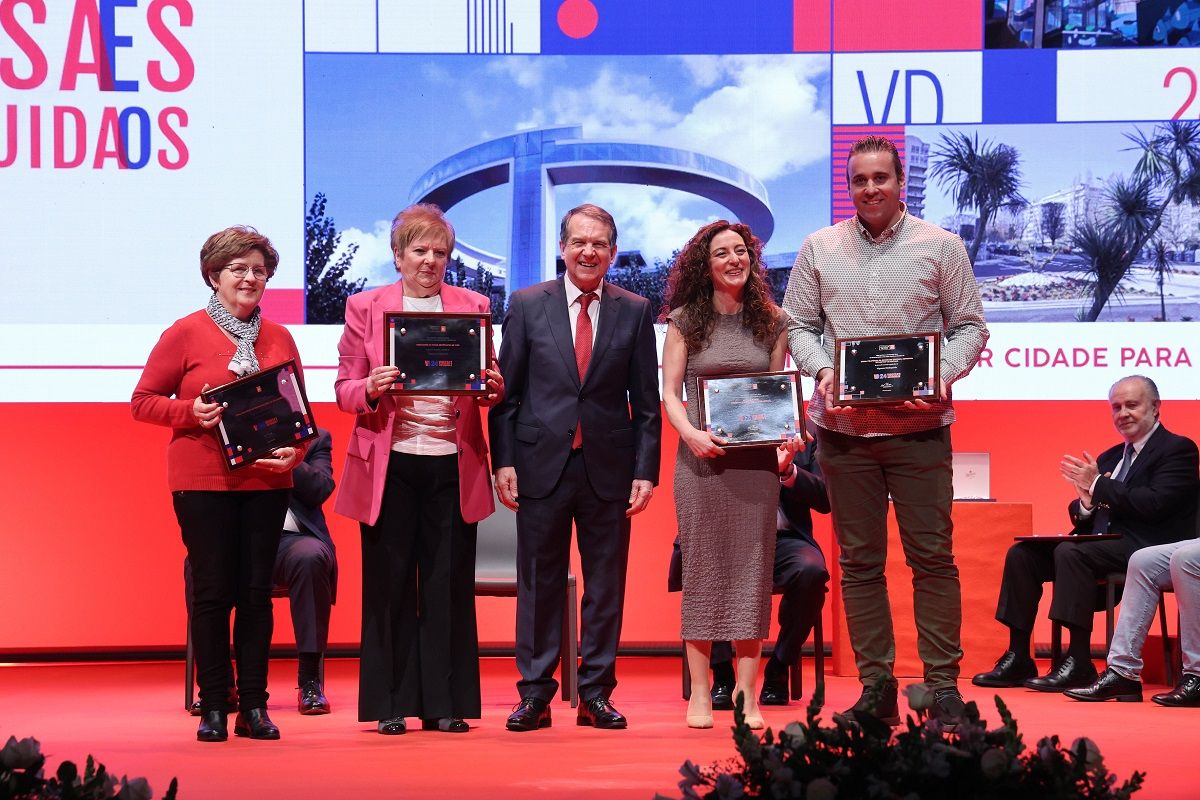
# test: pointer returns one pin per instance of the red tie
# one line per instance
(583, 351)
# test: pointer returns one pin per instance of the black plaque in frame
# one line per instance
(749, 409)
(262, 412)
(438, 353)
(887, 369)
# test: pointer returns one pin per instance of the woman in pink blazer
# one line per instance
(417, 480)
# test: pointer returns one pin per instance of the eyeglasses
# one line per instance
(239, 271)
(579, 245)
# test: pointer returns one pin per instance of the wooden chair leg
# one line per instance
(570, 646)
(1055, 643)
(687, 675)
(1168, 656)
(189, 671)
(819, 647)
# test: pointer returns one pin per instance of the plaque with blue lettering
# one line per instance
(887, 369)
(262, 412)
(751, 409)
(438, 353)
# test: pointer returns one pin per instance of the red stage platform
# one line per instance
(129, 716)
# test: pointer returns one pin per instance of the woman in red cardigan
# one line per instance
(231, 521)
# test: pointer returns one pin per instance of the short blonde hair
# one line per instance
(224, 246)
(417, 221)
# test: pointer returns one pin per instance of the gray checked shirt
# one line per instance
(914, 278)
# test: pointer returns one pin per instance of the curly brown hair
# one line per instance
(689, 286)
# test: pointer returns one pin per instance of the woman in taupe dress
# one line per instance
(722, 321)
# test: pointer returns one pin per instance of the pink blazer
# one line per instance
(360, 491)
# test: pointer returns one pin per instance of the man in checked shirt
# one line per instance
(886, 272)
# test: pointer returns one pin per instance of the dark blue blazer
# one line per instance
(312, 484)
(532, 429)
(1156, 503)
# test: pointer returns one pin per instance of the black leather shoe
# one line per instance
(391, 727)
(1010, 670)
(255, 724)
(1185, 695)
(599, 713)
(311, 700)
(1109, 686)
(1069, 674)
(948, 706)
(445, 725)
(880, 704)
(775, 684)
(722, 697)
(528, 715)
(214, 727)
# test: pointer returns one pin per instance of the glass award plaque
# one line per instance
(263, 411)
(887, 369)
(437, 353)
(757, 408)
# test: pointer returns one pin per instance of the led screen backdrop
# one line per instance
(132, 129)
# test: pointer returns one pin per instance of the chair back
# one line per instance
(496, 549)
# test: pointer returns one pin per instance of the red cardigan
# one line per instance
(189, 354)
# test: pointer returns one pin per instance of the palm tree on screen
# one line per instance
(1167, 173)
(984, 176)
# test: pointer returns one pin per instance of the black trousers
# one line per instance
(543, 558)
(800, 576)
(231, 539)
(420, 646)
(1073, 566)
(304, 564)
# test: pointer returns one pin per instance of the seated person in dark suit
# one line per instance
(1144, 489)
(306, 563)
(800, 576)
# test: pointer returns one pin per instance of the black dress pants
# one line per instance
(304, 564)
(231, 538)
(1074, 567)
(420, 646)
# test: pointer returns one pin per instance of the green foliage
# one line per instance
(326, 287)
(22, 777)
(858, 757)
(649, 282)
(481, 281)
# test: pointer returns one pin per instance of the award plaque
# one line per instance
(262, 411)
(437, 353)
(759, 408)
(887, 369)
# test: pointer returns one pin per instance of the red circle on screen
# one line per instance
(577, 18)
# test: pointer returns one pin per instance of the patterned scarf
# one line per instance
(246, 333)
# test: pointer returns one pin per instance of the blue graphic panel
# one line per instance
(1019, 86)
(666, 27)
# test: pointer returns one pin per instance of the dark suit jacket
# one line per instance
(312, 484)
(1156, 503)
(533, 427)
(806, 495)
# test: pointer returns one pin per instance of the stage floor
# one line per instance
(130, 717)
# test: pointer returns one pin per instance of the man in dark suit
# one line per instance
(1144, 489)
(306, 563)
(800, 576)
(579, 429)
